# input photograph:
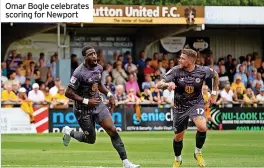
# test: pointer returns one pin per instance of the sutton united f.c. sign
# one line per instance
(118, 14)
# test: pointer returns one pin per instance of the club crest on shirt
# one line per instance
(95, 87)
(99, 76)
(197, 80)
(189, 89)
(73, 79)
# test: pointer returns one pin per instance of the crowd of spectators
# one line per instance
(131, 81)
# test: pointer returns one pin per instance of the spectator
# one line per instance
(8, 96)
(4, 69)
(43, 71)
(133, 66)
(120, 95)
(60, 100)
(35, 95)
(4, 79)
(171, 65)
(168, 95)
(141, 62)
(256, 89)
(154, 61)
(53, 66)
(50, 82)
(165, 61)
(148, 81)
(48, 97)
(260, 96)
(239, 96)
(119, 75)
(101, 58)
(129, 71)
(26, 62)
(206, 97)
(157, 75)
(146, 95)
(132, 84)
(250, 98)
(132, 98)
(107, 71)
(226, 95)
(54, 89)
(261, 70)
(242, 74)
(162, 70)
(12, 78)
(258, 79)
(26, 104)
(120, 58)
(27, 85)
(251, 66)
(109, 85)
(237, 84)
(157, 96)
(19, 77)
(13, 60)
(252, 76)
(148, 69)
(15, 87)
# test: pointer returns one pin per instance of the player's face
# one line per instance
(91, 59)
(184, 61)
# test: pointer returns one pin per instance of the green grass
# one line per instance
(149, 149)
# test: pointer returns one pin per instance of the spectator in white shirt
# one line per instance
(19, 77)
(36, 95)
(260, 96)
(259, 79)
(54, 90)
(133, 66)
(168, 95)
(226, 95)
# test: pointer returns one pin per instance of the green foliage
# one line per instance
(183, 2)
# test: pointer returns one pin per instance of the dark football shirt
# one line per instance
(188, 86)
(84, 82)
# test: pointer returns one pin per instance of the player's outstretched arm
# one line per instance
(70, 93)
(164, 85)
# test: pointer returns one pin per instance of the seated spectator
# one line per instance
(8, 96)
(15, 87)
(54, 89)
(239, 95)
(242, 74)
(132, 98)
(161, 68)
(35, 95)
(256, 89)
(157, 96)
(132, 84)
(26, 62)
(148, 69)
(148, 81)
(258, 79)
(260, 96)
(252, 76)
(261, 70)
(60, 100)
(237, 83)
(27, 85)
(157, 75)
(43, 71)
(13, 60)
(165, 61)
(168, 95)
(4, 69)
(12, 78)
(119, 74)
(250, 98)
(4, 79)
(48, 97)
(107, 70)
(146, 95)
(206, 97)
(226, 95)
(171, 65)
(129, 71)
(50, 82)
(26, 104)
(133, 66)
(109, 85)
(154, 61)
(120, 95)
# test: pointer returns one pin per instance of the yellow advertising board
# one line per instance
(121, 14)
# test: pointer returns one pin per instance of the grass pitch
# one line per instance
(149, 149)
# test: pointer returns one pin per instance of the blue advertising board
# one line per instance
(58, 118)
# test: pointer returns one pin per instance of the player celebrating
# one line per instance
(188, 101)
(84, 88)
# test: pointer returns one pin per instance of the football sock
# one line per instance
(119, 146)
(81, 137)
(200, 139)
(177, 146)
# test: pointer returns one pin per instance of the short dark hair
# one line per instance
(85, 48)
